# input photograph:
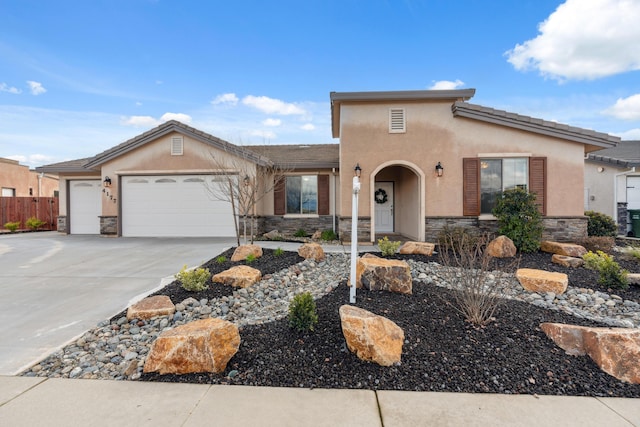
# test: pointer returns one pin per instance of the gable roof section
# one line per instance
(626, 154)
(301, 156)
(69, 166)
(174, 126)
(391, 96)
(593, 140)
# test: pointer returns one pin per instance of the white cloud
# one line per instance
(446, 85)
(225, 98)
(632, 134)
(32, 160)
(184, 118)
(140, 121)
(36, 88)
(138, 104)
(6, 88)
(307, 126)
(272, 106)
(583, 40)
(264, 134)
(272, 122)
(625, 108)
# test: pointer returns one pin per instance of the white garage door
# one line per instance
(173, 206)
(85, 206)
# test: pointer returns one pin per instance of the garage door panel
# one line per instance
(173, 206)
(85, 206)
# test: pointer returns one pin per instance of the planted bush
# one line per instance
(388, 247)
(456, 238)
(611, 274)
(328, 235)
(34, 223)
(278, 252)
(300, 233)
(600, 224)
(194, 280)
(303, 314)
(12, 226)
(519, 219)
(250, 258)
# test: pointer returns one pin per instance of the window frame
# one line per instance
(301, 198)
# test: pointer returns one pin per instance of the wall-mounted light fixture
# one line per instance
(439, 170)
(358, 170)
(107, 181)
(600, 169)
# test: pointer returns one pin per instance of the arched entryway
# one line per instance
(397, 200)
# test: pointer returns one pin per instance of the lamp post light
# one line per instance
(354, 232)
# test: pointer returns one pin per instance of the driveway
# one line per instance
(54, 287)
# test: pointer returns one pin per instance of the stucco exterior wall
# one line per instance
(22, 179)
(64, 187)
(433, 135)
(601, 183)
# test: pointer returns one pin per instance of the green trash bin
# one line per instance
(634, 215)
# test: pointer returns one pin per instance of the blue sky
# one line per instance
(78, 77)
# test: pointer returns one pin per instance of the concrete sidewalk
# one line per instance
(63, 402)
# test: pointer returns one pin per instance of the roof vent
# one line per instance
(397, 122)
(177, 146)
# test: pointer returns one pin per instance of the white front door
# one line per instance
(383, 200)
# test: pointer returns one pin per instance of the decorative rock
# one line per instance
(615, 350)
(311, 251)
(379, 274)
(160, 305)
(418, 248)
(542, 281)
(633, 278)
(240, 276)
(501, 247)
(371, 337)
(567, 249)
(317, 235)
(272, 235)
(200, 346)
(242, 252)
(567, 261)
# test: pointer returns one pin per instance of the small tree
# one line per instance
(519, 219)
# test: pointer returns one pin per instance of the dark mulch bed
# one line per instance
(442, 352)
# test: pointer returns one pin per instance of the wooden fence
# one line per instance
(22, 208)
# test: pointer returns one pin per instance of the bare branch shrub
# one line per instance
(473, 275)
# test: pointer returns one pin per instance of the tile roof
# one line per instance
(77, 165)
(590, 138)
(626, 154)
(300, 156)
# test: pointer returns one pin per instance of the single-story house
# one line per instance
(18, 180)
(612, 182)
(427, 159)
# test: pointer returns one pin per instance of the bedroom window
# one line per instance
(498, 175)
(302, 194)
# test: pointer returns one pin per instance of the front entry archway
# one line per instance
(404, 210)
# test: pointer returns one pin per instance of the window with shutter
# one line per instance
(471, 187)
(538, 181)
(397, 121)
(177, 146)
(279, 198)
(323, 195)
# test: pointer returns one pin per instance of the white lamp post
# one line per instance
(354, 233)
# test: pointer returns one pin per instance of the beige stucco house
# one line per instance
(18, 180)
(427, 159)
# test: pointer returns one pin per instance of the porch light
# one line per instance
(246, 180)
(439, 170)
(107, 181)
(358, 170)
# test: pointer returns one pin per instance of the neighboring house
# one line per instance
(612, 182)
(17, 180)
(428, 159)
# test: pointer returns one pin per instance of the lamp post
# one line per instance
(354, 232)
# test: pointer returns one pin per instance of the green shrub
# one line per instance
(194, 280)
(388, 247)
(278, 252)
(519, 219)
(221, 259)
(303, 314)
(457, 238)
(600, 224)
(300, 233)
(328, 235)
(611, 274)
(12, 226)
(250, 258)
(34, 223)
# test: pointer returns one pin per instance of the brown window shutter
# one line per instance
(538, 181)
(323, 195)
(470, 187)
(279, 196)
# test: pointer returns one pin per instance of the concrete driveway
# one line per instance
(54, 287)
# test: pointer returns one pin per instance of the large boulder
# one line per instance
(311, 251)
(379, 274)
(501, 247)
(201, 346)
(273, 235)
(417, 248)
(615, 350)
(242, 252)
(542, 281)
(147, 308)
(567, 261)
(371, 337)
(567, 249)
(240, 276)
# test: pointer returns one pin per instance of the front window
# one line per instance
(497, 175)
(302, 194)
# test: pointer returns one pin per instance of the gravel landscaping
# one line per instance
(441, 352)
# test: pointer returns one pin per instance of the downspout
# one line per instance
(615, 191)
(40, 184)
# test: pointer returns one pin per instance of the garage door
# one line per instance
(173, 206)
(85, 206)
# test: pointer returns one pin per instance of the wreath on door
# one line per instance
(381, 196)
